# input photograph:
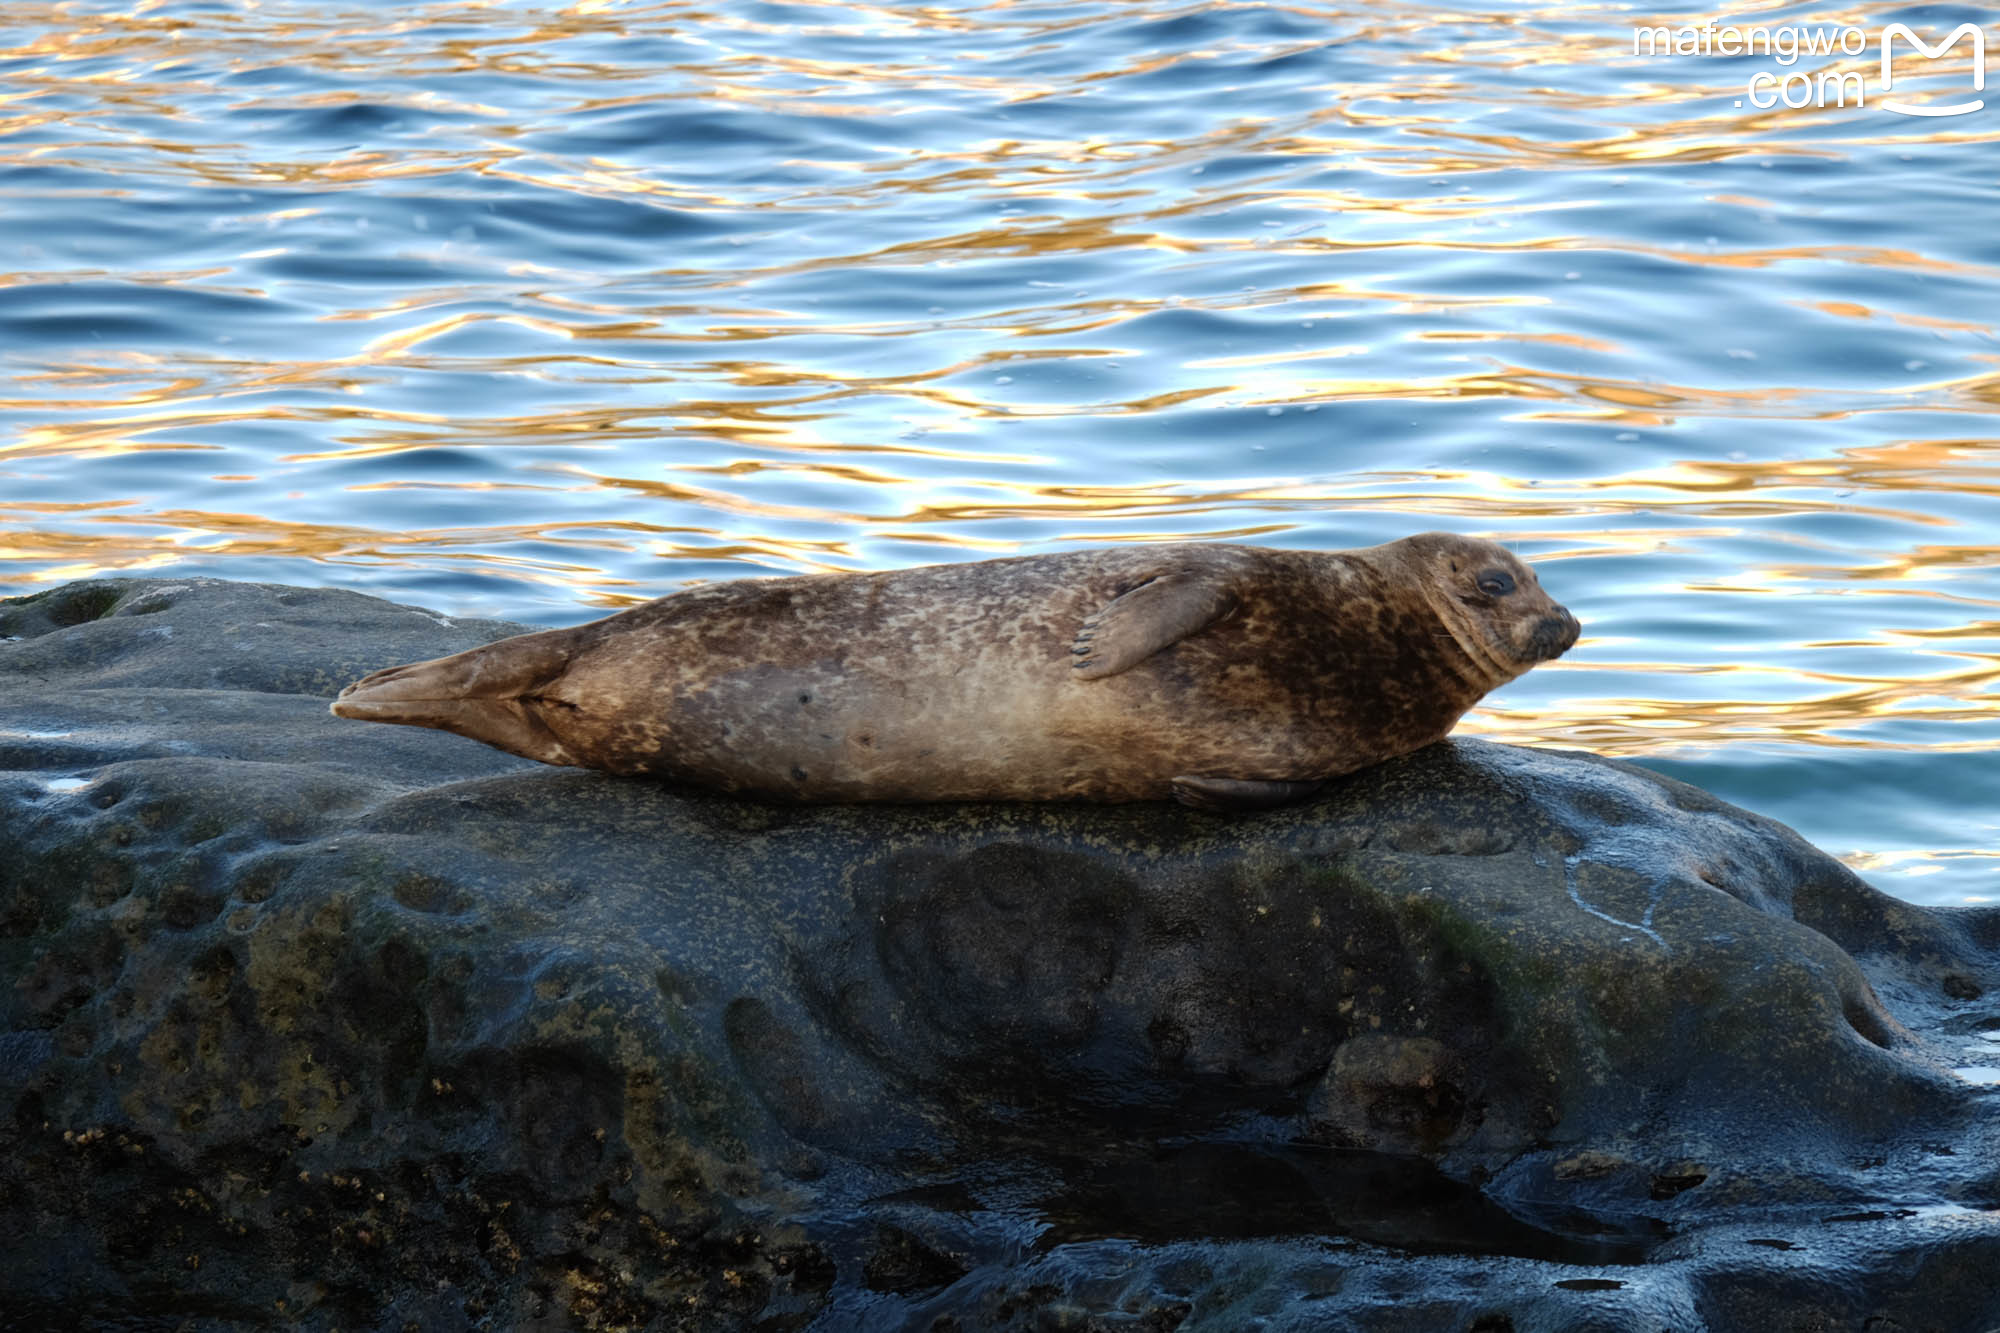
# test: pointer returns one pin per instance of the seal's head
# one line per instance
(1490, 603)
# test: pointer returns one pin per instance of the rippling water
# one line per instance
(537, 311)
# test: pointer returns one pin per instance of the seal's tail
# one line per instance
(489, 694)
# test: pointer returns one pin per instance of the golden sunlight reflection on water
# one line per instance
(544, 310)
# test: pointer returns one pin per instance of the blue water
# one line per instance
(537, 311)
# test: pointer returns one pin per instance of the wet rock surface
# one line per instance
(315, 1024)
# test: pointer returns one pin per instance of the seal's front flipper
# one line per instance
(1158, 613)
(1233, 794)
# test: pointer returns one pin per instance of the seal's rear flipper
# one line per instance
(488, 694)
(1234, 794)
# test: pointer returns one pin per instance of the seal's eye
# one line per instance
(1496, 583)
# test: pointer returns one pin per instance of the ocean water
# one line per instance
(538, 310)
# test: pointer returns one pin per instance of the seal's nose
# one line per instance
(1556, 634)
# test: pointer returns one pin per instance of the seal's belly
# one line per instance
(831, 730)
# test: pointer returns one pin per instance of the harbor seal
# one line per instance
(1221, 675)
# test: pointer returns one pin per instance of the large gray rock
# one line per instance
(324, 1025)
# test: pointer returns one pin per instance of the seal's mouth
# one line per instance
(1502, 648)
(1553, 635)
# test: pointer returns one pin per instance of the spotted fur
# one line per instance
(1010, 679)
